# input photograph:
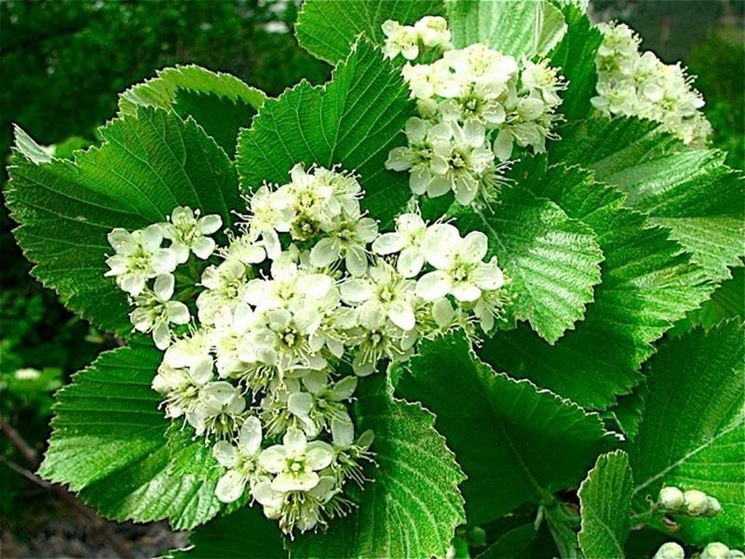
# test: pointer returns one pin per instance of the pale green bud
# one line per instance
(715, 550)
(670, 550)
(695, 502)
(736, 554)
(713, 507)
(670, 498)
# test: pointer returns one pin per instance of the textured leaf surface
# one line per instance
(575, 57)
(235, 535)
(647, 285)
(513, 27)
(728, 301)
(220, 102)
(516, 443)
(690, 192)
(328, 28)
(553, 260)
(413, 506)
(147, 165)
(605, 502)
(692, 433)
(110, 443)
(354, 121)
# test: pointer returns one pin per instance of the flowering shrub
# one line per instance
(403, 314)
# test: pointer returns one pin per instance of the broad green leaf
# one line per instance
(728, 301)
(515, 442)
(413, 506)
(647, 285)
(626, 414)
(219, 102)
(112, 445)
(353, 121)
(575, 57)
(328, 28)
(605, 504)
(246, 530)
(513, 27)
(552, 259)
(692, 434)
(692, 193)
(148, 164)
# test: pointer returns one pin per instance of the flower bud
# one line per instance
(695, 502)
(670, 550)
(736, 554)
(715, 550)
(670, 498)
(713, 507)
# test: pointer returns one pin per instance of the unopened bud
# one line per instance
(715, 550)
(736, 554)
(695, 502)
(670, 498)
(713, 507)
(670, 550)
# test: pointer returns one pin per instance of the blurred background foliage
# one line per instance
(63, 61)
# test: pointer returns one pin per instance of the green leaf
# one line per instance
(148, 164)
(647, 285)
(234, 535)
(575, 56)
(328, 28)
(692, 193)
(112, 445)
(552, 259)
(219, 102)
(516, 443)
(413, 506)
(692, 434)
(512, 27)
(728, 301)
(353, 121)
(605, 502)
(522, 542)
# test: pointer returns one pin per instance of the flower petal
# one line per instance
(433, 285)
(250, 435)
(230, 486)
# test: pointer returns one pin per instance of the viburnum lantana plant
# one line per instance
(470, 297)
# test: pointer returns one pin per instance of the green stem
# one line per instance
(563, 525)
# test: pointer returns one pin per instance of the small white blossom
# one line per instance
(296, 462)
(400, 39)
(406, 241)
(155, 311)
(241, 460)
(190, 233)
(349, 242)
(139, 257)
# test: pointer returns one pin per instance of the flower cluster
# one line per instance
(691, 502)
(631, 83)
(430, 32)
(475, 105)
(265, 341)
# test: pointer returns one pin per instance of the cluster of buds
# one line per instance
(475, 104)
(714, 550)
(411, 41)
(631, 83)
(691, 502)
(265, 338)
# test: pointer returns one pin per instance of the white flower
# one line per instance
(433, 32)
(181, 387)
(480, 64)
(460, 161)
(225, 287)
(459, 267)
(670, 550)
(400, 39)
(270, 214)
(407, 241)
(383, 292)
(242, 461)
(217, 413)
(245, 250)
(155, 311)
(189, 233)
(138, 257)
(321, 406)
(348, 241)
(296, 462)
